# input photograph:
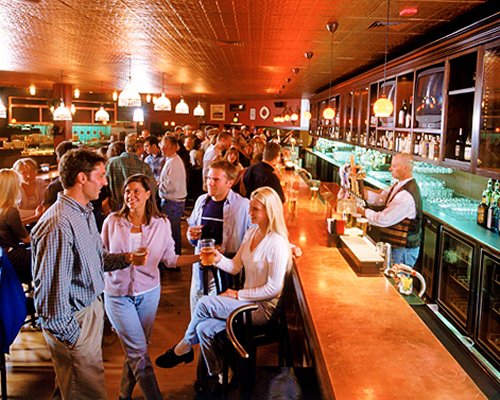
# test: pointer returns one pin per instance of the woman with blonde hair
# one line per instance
(12, 230)
(32, 190)
(265, 254)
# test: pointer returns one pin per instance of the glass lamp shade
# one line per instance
(76, 93)
(62, 113)
(294, 117)
(329, 113)
(307, 115)
(115, 95)
(162, 103)
(199, 111)
(148, 98)
(182, 107)
(102, 115)
(72, 109)
(32, 90)
(138, 115)
(129, 97)
(287, 117)
(3, 110)
(383, 107)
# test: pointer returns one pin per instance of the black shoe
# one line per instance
(169, 359)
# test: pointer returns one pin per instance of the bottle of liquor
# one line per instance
(437, 147)
(482, 211)
(402, 114)
(416, 149)
(459, 146)
(467, 149)
(432, 143)
(492, 212)
(424, 144)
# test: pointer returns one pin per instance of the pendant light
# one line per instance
(102, 115)
(129, 97)
(162, 103)
(329, 112)
(308, 55)
(199, 111)
(383, 107)
(182, 107)
(138, 115)
(62, 113)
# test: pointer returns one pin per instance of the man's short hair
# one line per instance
(227, 167)
(131, 143)
(172, 139)
(62, 148)
(224, 135)
(76, 161)
(151, 140)
(212, 132)
(271, 151)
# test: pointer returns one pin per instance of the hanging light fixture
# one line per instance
(102, 115)
(32, 89)
(162, 103)
(329, 112)
(138, 115)
(181, 107)
(3, 110)
(308, 55)
(383, 107)
(129, 97)
(76, 93)
(62, 113)
(199, 111)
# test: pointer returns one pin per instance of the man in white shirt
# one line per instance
(400, 216)
(173, 187)
(214, 152)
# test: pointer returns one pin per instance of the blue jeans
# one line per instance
(208, 319)
(132, 317)
(174, 211)
(405, 255)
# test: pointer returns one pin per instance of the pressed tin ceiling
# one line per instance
(232, 49)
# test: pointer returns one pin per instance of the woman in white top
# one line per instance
(32, 190)
(265, 255)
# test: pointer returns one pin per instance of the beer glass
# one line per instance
(362, 224)
(207, 252)
(139, 256)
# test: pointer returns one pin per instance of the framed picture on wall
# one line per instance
(252, 114)
(217, 112)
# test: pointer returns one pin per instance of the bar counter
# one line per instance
(366, 341)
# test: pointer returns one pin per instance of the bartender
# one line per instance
(397, 212)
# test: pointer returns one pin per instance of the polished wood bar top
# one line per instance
(367, 342)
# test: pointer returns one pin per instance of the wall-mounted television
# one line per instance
(429, 98)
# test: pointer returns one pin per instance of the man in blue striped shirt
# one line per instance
(68, 272)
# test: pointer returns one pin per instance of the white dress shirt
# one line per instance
(400, 206)
(173, 179)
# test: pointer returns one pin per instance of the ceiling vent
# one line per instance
(383, 24)
(222, 42)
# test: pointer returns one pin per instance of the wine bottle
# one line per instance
(467, 149)
(432, 143)
(482, 210)
(459, 146)
(437, 147)
(402, 114)
(492, 210)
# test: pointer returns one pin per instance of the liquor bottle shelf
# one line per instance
(461, 280)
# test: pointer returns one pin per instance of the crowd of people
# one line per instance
(93, 240)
